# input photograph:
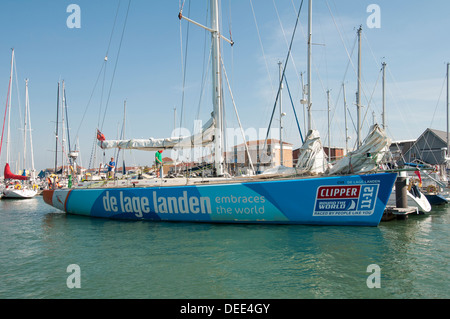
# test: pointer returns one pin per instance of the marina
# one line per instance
(202, 179)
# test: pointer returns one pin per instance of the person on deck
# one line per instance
(111, 167)
(159, 163)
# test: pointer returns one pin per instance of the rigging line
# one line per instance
(27, 103)
(371, 96)
(438, 101)
(102, 92)
(204, 77)
(230, 30)
(92, 158)
(340, 36)
(283, 74)
(117, 60)
(202, 89)
(67, 119)
(373, 55)
(345, 73)
(112, 31)
(101, 69)
(427, 145)
(90, 98)
(4, 117)
(237, 116)
(183, 65)
(285, 39)
(18, 91)
(295, 113)
(261, 44)
(106, 64)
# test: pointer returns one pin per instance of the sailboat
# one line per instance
(12, 188)
(353, 199)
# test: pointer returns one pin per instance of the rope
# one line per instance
(239, 121)
(102, 70)
(117, 60)
(282, 75)
(293, 108)
(183, 63)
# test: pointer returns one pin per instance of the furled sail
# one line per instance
(205, 137)
(8, 174)
(312, 157)
(367, 157)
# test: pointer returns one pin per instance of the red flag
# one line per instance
(100, 136)
(418, 175)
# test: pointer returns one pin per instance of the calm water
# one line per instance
(181, 260)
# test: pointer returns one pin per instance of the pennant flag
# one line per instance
(420, 177)
(100, 136)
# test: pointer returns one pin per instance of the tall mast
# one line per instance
(67, 120)
(56, 131)
(281, 114)
(358, 94)
(309, 64)
(63, 141)
(448, 140)
(25, 126)
(345, 118)
(9, 109)
(384, 97)
(123, 133)
(31, 135)
(216, 61)
(217, 87)
(329, 133)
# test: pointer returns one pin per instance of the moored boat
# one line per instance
(19, 193)
(350, 200)
(336, 199)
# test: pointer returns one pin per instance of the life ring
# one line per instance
(17, 186)
(431, 189)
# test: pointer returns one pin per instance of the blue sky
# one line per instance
(412, 40)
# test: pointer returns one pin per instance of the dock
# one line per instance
(401, 210)
(392, 212)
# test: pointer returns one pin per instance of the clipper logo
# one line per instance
(345, 200)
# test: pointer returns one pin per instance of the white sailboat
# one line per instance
(354, 199)
(27, 187)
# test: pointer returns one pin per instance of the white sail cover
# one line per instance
(312, 157)
(203, 138)
(367, 157)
